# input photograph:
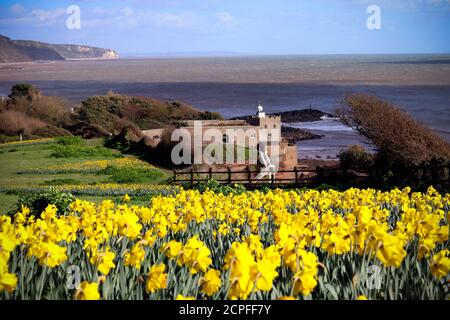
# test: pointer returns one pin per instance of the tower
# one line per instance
(261, 113)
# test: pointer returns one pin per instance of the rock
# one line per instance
(293, 135)
(302, 115)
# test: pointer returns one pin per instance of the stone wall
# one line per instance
(242, 134)
(218, 123)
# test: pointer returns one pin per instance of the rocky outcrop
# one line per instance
(293, 135)
(26, 51)
(303, 115)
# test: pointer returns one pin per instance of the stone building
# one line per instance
(249, 134)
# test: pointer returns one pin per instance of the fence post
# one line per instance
(296, 175)
(229, 175)
(249, 175)
(192, 178)
(319, 176)
(210, 173)
(272, 179)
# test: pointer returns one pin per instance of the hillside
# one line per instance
(30, 113)
(26, 51)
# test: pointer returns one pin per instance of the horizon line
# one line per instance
(238, 54)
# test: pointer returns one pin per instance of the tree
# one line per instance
(400, 139)
(26, 90)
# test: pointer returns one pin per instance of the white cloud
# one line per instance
(48, 16)
(171, 20)
(128, 12)
(98, 11)
(226, 19)
(17, 9)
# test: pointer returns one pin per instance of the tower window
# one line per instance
(225, 138)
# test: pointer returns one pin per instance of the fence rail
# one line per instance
(424, 174)
(247, 176)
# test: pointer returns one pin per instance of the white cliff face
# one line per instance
(110, 54)
(23, 50)
(93, 52)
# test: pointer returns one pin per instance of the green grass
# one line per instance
(7, 202)
(18, 158)
(133, 174)
(26, 157)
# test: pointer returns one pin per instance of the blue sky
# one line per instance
(238, 26)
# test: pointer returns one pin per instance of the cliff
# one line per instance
(25, 50)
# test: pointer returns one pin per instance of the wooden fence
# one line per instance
(430, 174)
(247, 177)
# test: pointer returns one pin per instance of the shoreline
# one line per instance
(368, 70)
(53, 61)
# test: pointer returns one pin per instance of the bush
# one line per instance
(75, 151)
(400, 139)
(70, 141)
(146, 113)
(5, 139)
(132, 174)
(217, 187)
(56, 182)
(24, 90)
(52, 110)
(95, 110)
(28, 99)
(50, 131)
(38, 202)
(355, 157)
(15, 123)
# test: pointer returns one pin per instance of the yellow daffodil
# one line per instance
(157, 278)
(440, 265)
(87, 291)
(211, 282)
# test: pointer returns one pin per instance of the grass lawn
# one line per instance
(7, 201)
(17, 158)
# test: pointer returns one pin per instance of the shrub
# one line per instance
(71, 140)
(55, 182)
(27, 99)
(53, 110)
(400, 139)
(94, 110)
(218, 188)
(75, 151)
(15, 123)
(355, 157)
(50, 131)
(38, 202)
(132, 174)
(146, 113)
(24, 90)
(5, 139)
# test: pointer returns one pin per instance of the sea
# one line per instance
(234, 86)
